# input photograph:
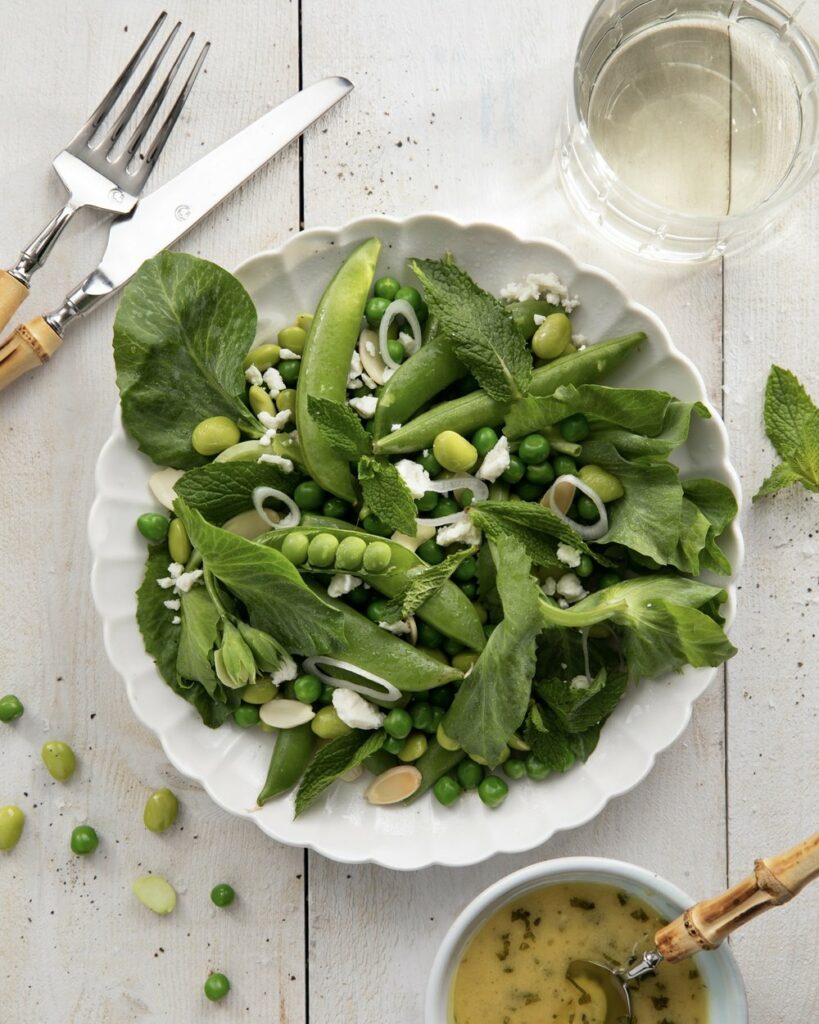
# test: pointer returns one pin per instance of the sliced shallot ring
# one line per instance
(262, 494)
(441, 520)
(588, 531)
(398, 307)
(312, 665)
(480, 491)
(413, 543)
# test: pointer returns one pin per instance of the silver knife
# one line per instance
(165, 215)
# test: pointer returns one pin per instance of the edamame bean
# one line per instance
(222, 895)
(514, 471)
(262, 357)
(552, 336)
(259, 692)
(377, 557)
(493, 791)
(414, 746)
(290, 370)
(431, 553)
(292, 338)
(286, 400)
(214, 435)
(291, 755)
(308, 495)
(307, 689)
(605, 485)
(386, 288)
(322, 550)
(217, 987)
(178, 544)
(153, 526)
(328, 726)
(260, 400)
(246, 716)
(398, 724)
(470, 774)
(574, 428)
(84, 840)
(454, 452)
(534, 449)
(295, 547)
(12, 821)
(10, 708)
(59, 759)
(446, 790)
(161, 809)
(375, 309)
(350, 555)
(484, 439)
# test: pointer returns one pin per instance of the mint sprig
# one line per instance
(340, 427)
(332, 761)
(423, 583)
(792, 424)
(386, 494)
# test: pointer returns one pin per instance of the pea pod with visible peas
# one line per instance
(291, 755)
(325, 364)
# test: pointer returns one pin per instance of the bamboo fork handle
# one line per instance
(30, 345)
(775, 880)
(12, 295)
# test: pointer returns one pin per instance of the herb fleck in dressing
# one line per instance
(514, 970)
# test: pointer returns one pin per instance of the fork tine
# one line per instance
(87, 131)
(141, 89)
(168, 125)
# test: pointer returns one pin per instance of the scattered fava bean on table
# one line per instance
(161, 810)
(155, 893)
(59, 759)
(12, 821)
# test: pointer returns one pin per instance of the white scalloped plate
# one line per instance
(230, 762)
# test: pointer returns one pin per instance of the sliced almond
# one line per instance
(413, 543)
(162, 485)
(371, 361)
(286, 714)
(562, 492)
(250, 524)
(394, 785)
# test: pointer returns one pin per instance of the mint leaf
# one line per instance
(537, 528)
(386, 494)
(222, 490)
(483, 334)
(340, 427)
(792, 424)
(423, 582)
(577, 709)
(548, 741)
(332, 761)
(492, 700)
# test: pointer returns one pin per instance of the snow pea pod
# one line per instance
(325, 364)
(291, 755)
(465, 415)
(434, 763)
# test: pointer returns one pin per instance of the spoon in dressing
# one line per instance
(702, 927)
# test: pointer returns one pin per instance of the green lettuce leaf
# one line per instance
(339, 756)
(386, 494)
(198, 636)
(221, 490)
(640, 447)
(718, 505)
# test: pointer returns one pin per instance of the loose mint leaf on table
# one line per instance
(331, 761)
(340, 427)
(424, 582)
(792, 424)
(492, 700)
(386, 494)
(180, 334)
(537, 528)
(221, 490)
(483, 334)
(638, 410)
(278, 601)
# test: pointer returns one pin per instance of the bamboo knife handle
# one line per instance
(30, 346)
(775, 881)
(12, 295)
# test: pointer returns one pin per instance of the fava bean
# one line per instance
(552, 336)
(328, 726)
(59, 759)
(292, 338)
(605, 485)
(214, 435)
(259, 692)
(414, 746)
(446, 741)
(260, 400)
(155, 893)
(454, 452)
(178, 544)
(12, 821)
(262, 357)
(286, 400)
(161, 809)
(523, 314)
(305, 321)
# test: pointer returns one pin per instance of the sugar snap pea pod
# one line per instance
(465, 415)
(291, 755)
(325, 364)
(449, 610)
(523, 314)
(376, 650)
(432, 764)
(417, 381)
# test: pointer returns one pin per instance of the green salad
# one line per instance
(415, 533)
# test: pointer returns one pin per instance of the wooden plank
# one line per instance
(77, 915)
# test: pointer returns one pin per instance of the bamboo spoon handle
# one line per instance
(775, 881)
(29, 346)
(12, 295)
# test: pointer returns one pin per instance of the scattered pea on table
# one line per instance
(217, 987)
(222, 895)
(84, 840)
(11, 707)
(12, 821)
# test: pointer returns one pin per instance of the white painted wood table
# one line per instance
(455, 110)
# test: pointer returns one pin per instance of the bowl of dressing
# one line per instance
(506, 955)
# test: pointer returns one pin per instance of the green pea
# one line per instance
(470, 774)
(431, 553)
(260, 400)
(322, 550)
(466, 570)
(214, 435)
(413, 297)
(222, 895)
(446, 790)
(335, 508)
(470, 589)
(308, 495)
(377, 609)
(262, 357)
(350, 555)
(307, 689)
(161, 809)
(358, 598)
(392, 745)
(59, 759)
(442, 696)
(372, 524)
(153, 526)
(465, 497)
(386, 288)
(446, 507)
(444, 739)
(305, 321)
(430, 464)
(530, 492)
(290, 370)
(605, 485)
(415, 746)
(375, 309)
(259, 692)
(534, 449)
(217, 987)
(427, 502)
(484, 439)
(179, 545)
(515, 768)
(608, 579)
(464, 661)
(514, 471)
(429, 636)
(542, 475)
(286, 400)
(84, 840)
(328, 726)
(564, 465)
(493, 791)
(377, 556)
(421, 713)
(398, 724)
(11, 707)
(12, 821)
(574, 428)
(454, 452)
(295, 547)
(246, 716)
(585, 568)
(586, 509)
(452, 647)
(396, 350)
(327, 692)
(292, 338)
(535, 768)
(552, 336)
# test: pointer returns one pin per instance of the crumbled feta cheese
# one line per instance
(364, 406)
(398, 628)
(274, 422)
(176, 620)
(368, 381)
(549, 586)
(342, 583)
(562, 602)
(461, 531)
(580, 683)
(369, 346)
(535, 286)
(274, 382)
(288, 353)
(538, 318)
(285, 672)
(356, 712)
(395, 426)
(180, 580)
(253, 375)
(388, 372)
(353, 384)
(570, 587)
(173, 605)
(414, 476)
(285, 465)
(495, 462)
(568, 555)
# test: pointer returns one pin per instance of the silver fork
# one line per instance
(94, 170)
